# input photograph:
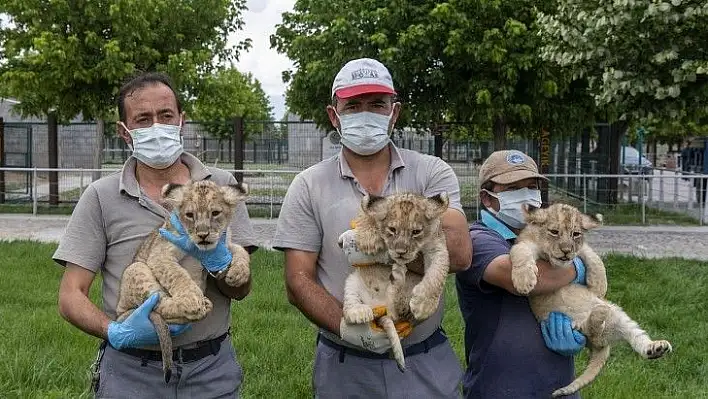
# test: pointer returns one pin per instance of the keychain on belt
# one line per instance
(96, 367)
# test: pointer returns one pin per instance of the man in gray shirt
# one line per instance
(319, 205)
(111, 220)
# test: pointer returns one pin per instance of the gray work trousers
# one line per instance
(435, 374)
(129, 377)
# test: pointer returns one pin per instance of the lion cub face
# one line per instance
(205, 209)
(558, 231)
(405, 221)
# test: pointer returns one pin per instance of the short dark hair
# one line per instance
(488, 185)
(140, 81)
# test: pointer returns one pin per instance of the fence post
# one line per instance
(34, 191)
(691, 193)
(585, 193)
(238, 148)
(676, 189)
(701, 205)
(271, 194)
(2, 160)
(661, 185)
(641, 193)
(98, 149)
(53, 150)
(81, 184)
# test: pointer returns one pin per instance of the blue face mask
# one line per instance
(364, 133)
(510, 203)
(157, 146)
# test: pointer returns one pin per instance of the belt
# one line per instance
(202, 350)
(436, 338)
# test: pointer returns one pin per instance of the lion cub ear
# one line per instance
(437, 205)
(534, 215)
(591, 221)
(173, 194)
(233, 193)
(374, 206)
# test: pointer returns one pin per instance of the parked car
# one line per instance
(630, 163)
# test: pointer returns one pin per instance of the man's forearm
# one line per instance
(459, 246)
(78, 310)
(237, 293)
(318, 305)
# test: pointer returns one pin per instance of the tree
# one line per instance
(72, 55)
(228, 93)
(468, 61)
(646, 59)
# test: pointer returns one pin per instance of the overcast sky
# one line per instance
(263, 62)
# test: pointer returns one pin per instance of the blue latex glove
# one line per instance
(580, 271)
(137, 330)
(214, 260)
(559, 335)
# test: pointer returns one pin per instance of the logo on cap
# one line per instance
(364, 74)
(515, 158)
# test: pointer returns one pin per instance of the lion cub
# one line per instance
(556, 234)
(404, 225)
(205, 210)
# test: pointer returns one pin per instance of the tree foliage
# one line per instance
(228, 93)
(646, 59)
(72, 55)
(472, 61)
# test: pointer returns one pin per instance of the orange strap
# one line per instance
(403, 327)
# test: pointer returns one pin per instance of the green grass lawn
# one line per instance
(45, 357)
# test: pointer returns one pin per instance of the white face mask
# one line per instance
(157, 146)
(365, 133)
(510, 203)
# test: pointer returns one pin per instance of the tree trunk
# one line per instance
(499, 131)
(53, 150)
(98, 149)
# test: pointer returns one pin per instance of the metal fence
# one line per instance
(663, 197)
(291, 144)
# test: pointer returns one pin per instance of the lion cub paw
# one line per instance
(657, 349)
(198, 309)
(524, 278)
(358, 314)
(208, 306)
(238, 274)
(422, 305)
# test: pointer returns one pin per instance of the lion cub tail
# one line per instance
(387, 323)
(163, 333)
(598, 357)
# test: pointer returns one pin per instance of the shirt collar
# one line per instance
(495, 224)
(129, 182)
(396, 162)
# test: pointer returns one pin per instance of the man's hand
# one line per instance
(580, 271)
(559, 335)
(363, 336)
(347, 241)
(214, 260)
(137, 330)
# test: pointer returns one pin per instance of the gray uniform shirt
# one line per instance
(112, 219)
(322, 200)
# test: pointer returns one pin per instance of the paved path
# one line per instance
(643, 241)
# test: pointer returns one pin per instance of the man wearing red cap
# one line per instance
(352, 360)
